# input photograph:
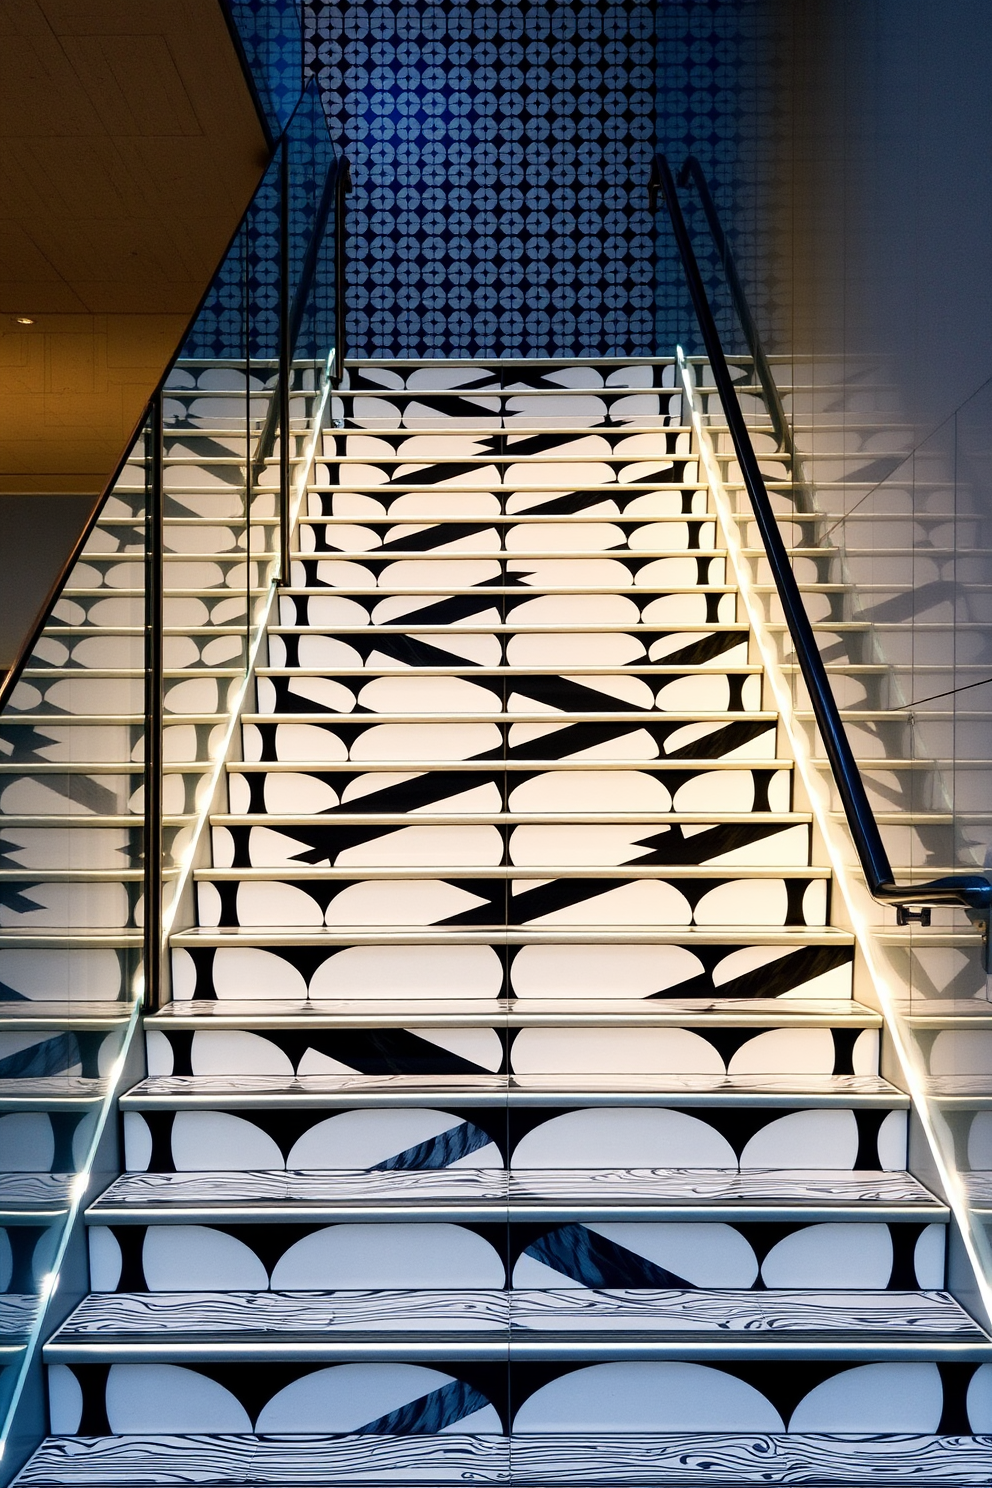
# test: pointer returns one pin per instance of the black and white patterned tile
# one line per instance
(466, 1246)
(581, 969)
(547, 1399)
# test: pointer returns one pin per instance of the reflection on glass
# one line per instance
(74, 729)
(893, 554)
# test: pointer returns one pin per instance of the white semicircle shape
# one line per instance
(170, 1398)
(624, 1137)
(372, 1256)
(648, 1397)
(874, 1398)
(345, 1397)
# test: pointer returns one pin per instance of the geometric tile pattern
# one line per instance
(500, 156)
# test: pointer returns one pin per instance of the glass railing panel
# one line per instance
(72, 736)
(893, 555)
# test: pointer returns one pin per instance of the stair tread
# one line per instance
(684, 1459)
(354, 717)
(514, 1012)
(64, 1013)
(517, 1192)
(277, 819)
(109, 1318)
(521, 763)
(66, 1092)
(653, 1089)
(589, 934)
(304, 872)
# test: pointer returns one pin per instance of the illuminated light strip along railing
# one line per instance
(971, 891)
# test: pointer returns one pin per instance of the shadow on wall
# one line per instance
(37, 534)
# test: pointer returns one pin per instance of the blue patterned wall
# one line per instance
(500, 153)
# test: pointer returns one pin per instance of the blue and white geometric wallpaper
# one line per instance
(500, 152)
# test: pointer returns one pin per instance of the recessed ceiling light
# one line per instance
(24, 319)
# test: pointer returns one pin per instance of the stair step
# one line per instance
(591, 764)
(364, 715)
(587, 934)
(262, 1327)
(550, 1012)
(468, 1195)
(653, 632)
(277, 820)
(54, 1015)
(682, 1458)
(52, 1093)
(281, 1092)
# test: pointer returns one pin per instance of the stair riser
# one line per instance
(416, 972)
(467, 846)
(33, 1055)
(480, 784)
(78, 975)
(417, 689)
(365, 740)
(207, 1253)
(457, 447)
(562, 1397)
(661, 1051)
(476, 1133)
(487, 901)
(26, 903)
(115, 696)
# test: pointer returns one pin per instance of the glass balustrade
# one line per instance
(892, 552)
(115, 728)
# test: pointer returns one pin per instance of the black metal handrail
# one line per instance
(342, 186)
(970, 890)
(337, 183)
(692, 170)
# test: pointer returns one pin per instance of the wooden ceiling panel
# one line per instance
(134, 84)
(129, 148)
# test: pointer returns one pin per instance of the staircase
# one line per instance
(513, 1119)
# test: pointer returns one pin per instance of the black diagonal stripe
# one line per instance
(566, 741)
(697, 652)
(433, 472)
(786, 972)
(376, 1051)
(408, 795)
(14, 898)
(430, 1414)
(438, 1152)
(448, 611)
(573, 696)
(51, 1056)
(593, 1261)
(724, 740)
(570, 503)
(433, 538)
(674, 847)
